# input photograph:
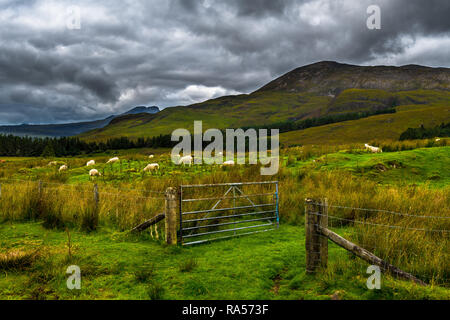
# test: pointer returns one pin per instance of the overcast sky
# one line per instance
(177, 52)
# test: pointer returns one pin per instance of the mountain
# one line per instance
(142, 109)
(68, 129)
(331, 78)
(318, 90)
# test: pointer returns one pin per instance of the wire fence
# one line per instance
(417, 243)
(74, 204)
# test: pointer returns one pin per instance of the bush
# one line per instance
(155, 291)
(144, 275)
(188, 265)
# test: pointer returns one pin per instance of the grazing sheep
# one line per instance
(151, 156)
(186, 160)
(63, 168)
(177, 159)
(113, 160)
(373, 149)
(94, 173)
(52, 163)
(438, 139)
(228, 163)
(151, 167)
(90, 163)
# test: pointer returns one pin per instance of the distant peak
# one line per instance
(143, 109)
(330, 76)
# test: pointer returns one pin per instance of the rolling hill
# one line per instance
(421, 95)
(68, 129)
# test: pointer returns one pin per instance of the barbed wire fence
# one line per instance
(112, 199)
(418, 244)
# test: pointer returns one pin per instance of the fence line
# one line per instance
(65, 185)
(381, 225)
(384, 211)
(318, 234)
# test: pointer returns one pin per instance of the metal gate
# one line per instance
(218, 211)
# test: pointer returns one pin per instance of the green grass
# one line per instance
(119, 266)
(116, 265)
(418, 166)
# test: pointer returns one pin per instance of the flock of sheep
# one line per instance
(96, 173)
(186, 160)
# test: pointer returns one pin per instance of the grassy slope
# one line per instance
(225, 112)
(380, 127)
(419, 166)
(265, 107)
(116, 266)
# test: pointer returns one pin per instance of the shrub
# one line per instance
(155, 291)
(188, 265)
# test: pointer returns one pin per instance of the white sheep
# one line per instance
(63, 168)
(438, 139)
(113, 160)
(373, 149)
(186, 160)
(52, 163)
(151, 167)
(90, 163)
(176, 159)
(94, 173)
(228, 163)
(151, 156)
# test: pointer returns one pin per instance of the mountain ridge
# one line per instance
(71, 128)
(323, 75)
(320, 89)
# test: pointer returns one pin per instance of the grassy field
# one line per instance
(412, 167)
(121, 266)
(34, 240)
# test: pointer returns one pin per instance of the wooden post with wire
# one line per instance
(96, 197)
(171, 216)
(96, 203)
(317, 235)
(316, 215)
(40, 188)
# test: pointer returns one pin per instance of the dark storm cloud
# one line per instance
(175, 52)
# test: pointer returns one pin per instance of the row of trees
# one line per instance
(61, 147)
(70, 146)
(287, 126)
(442, 130)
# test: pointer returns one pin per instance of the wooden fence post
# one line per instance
(171, 216)
(40, 188)
(96, 197)
(323, 241)
(316, 214)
